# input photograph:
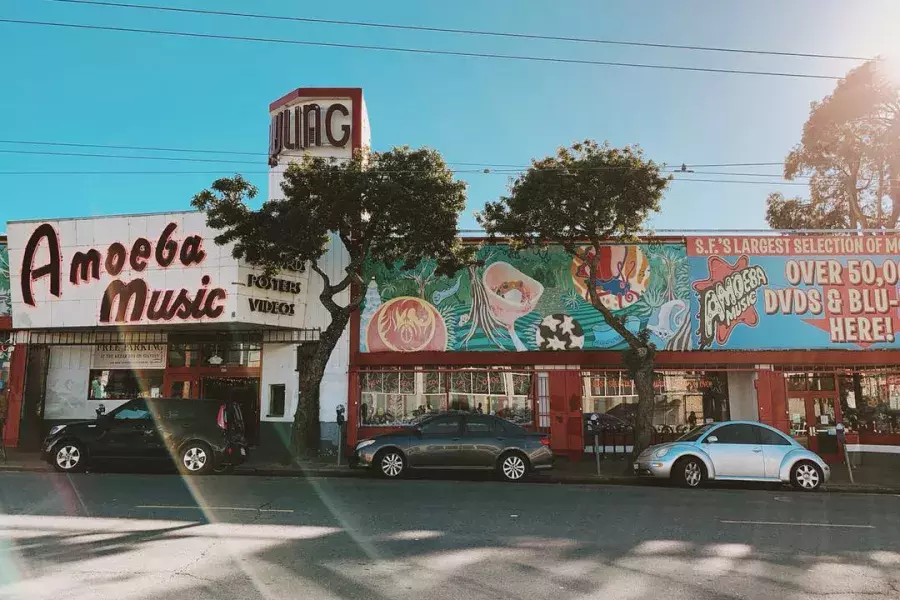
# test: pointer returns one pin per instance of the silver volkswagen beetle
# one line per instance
(734, 450)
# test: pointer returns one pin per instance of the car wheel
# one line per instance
(806, 476)
(195, 459)
(513, 466)
(390, 463)
(689, 472)
(69, 458)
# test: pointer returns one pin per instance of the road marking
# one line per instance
(798, 524)
(242, 508)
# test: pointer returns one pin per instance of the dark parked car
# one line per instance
(200, 436)
(458, 441)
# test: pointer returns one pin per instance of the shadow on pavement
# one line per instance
(444, 538)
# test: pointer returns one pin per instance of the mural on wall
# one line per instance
(784, 292)
(525, 300)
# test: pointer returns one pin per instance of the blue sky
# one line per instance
(128, 89)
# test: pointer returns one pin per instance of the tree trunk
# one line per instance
(312, 358)
(643, 420)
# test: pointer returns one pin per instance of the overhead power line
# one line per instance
(516, 166)
(474, 32)
(89, 155)
(222, 173)
(485, 170)
(120, 147)
(426, 51)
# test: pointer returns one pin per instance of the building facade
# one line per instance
(795, 331)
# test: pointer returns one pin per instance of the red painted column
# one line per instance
(16, 392)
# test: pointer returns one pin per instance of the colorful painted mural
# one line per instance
(789, 292)
(529, 300)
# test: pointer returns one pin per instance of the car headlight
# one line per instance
(56, 429)
(364, 443)
(661, 452)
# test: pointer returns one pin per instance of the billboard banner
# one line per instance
(795, 292)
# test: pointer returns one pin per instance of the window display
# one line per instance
(684, 399)
(121, 384)
(399, 397)
(870, 402)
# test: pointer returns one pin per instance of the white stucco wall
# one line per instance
(742, 396)
(279, 367)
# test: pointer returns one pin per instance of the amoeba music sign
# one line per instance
(159, 269)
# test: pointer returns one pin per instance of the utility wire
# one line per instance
(475, 32)
(429, 51)
(120, 147)
(474, 172)
(485, 171)
(89, 155)
(504, 166)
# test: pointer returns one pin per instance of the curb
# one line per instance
(543, 478)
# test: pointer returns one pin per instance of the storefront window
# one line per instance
(403, 396)
(870, 402)
(683, 400)
(497, 392)
(124, 384)
(242, 354)
(390, 399)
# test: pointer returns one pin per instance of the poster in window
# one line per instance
(129, 356)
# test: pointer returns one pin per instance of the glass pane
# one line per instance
(797, 418)
(736, 434)
(441, 426)
(478, 426)
(136, 411)
(823, 408)
(797, 382)
(771, 438)
(823, 382)
(181, 389)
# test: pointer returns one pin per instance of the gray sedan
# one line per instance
(457, 441)
(734, 450)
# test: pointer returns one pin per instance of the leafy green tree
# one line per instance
(850, 150)
(592, 195)
(795, 213)
(399, 205)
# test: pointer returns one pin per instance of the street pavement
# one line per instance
(137, 536)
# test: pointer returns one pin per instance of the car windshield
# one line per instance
(694, 434)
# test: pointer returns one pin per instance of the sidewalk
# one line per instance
(612, 471)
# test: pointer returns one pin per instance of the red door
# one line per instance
(565, 414)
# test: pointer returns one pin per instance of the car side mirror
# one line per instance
(711, 439)
(101, 410)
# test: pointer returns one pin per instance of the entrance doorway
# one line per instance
(244, 391)
(813, 413)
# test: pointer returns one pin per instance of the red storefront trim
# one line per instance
(613, 358)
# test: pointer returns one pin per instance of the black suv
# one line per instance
(200, 436)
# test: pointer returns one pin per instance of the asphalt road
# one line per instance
(105, 536)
